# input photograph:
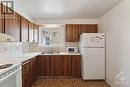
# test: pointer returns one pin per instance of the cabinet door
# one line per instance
(67, 66)
(69, 34)
(12, 25)
(76, 66)
(34, 70)
(1, 20)
(36, 33)
(42, 65)
(72, 32)
(88, 28)
(1, 25)
(31, 34)
(58, 67)
(75, 33)
(24, 30)
(46, 65)
(26, 74)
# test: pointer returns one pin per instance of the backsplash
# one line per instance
(16, 49)
(25, 47)
(35, 47)
(10, 49)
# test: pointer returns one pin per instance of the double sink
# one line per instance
(54, 53)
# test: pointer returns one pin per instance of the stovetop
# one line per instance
(6, 66)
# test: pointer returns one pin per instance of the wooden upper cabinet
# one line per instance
(88, 28)
(31, 34)
(1, 20)
(72, 31)
(24, 30)
(36, 33)
(12, 25)
(1, 24)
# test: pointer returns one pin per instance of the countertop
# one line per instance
(61, 53)
(21, 58)
(30, 55)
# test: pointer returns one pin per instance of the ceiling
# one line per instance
(67, 8)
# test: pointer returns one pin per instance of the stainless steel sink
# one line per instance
(5, 66)
(50, 53)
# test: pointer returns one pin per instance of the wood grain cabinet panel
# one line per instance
(17, 26)
(73, 31)
(69, 37)
(36, 33)
(42, 65)
(76, 66)
(1, 21)
(29, 72)
(1, 25)
(26, 74)
(58, 65)
(31, 32)
(88, 28)
(46, 66)
(24, 30)
(34, 69)
(67, 66)
(12, 25)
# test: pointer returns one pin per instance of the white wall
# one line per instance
(116, 24)
(66, 21)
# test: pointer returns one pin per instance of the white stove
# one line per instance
(10, 74)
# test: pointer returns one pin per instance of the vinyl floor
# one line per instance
(69, 82)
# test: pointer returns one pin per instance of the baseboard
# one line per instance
(53, 77)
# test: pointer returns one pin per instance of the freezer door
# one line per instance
(92, 40)
(93, 64)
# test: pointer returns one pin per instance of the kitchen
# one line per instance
(45, 44)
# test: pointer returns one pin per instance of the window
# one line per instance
(52, 37)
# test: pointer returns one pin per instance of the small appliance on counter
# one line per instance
(6, 38)
(72, 49)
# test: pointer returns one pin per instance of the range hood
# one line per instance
(6, 38)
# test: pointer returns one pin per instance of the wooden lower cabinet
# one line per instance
(29, 72)
(59, 65)
(46, 66)
(26, 74)
(34, 69)
(67, 66)
(76, 65)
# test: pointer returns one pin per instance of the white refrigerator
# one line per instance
(92, 48)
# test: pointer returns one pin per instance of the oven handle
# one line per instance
(10, 74)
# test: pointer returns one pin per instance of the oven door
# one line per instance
(12, 80)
